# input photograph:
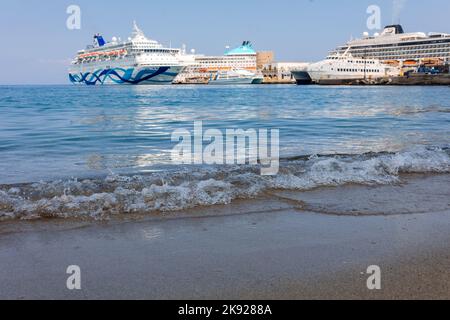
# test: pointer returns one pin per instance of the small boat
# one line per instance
(233, 77)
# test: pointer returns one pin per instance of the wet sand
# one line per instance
(284, 245)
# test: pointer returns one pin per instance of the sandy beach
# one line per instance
(283, 245)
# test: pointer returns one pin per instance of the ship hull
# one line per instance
(346, 82)
(324, 78)
(302, 77)
(160, 75)
(258, 81)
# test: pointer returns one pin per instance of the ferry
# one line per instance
(233, 77)
(137, 61)
(345, 69)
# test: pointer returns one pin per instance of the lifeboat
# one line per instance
(433, 62)
(107, 53)
(410, 63)
(394, 63)
(88, 55)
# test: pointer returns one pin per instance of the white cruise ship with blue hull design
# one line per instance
(138, 61)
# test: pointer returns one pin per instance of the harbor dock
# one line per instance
(407, 80)
(422, 80)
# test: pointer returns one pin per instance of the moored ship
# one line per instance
(236, 66)
(235, 77)
(302, 77)
(136, 61)
(394, 45)
(346, 69)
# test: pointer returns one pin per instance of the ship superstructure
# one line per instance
(242, 57)
(393, 44)
(138, 60)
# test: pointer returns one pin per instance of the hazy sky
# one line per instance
(37, 47)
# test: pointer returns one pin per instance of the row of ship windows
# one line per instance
(444, 45)
(159, 57)
(113, 59)
(152, 50)
(396, 45)
(127, 56)
(357, 70)
(407, 56)
(351, 61)
(366, 62)
(401, 52)
(402, 55)
(222, 62)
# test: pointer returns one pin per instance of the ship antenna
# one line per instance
(347, 51)
(136, 30)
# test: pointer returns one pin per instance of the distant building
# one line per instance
(282, 71)
(263, 58)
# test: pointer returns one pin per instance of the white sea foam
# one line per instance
(206, 186)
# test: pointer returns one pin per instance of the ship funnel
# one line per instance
(98, 39)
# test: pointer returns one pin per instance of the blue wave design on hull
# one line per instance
(119, 76)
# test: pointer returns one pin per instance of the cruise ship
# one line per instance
(346, 69)
(138, 60)
(243, 57)
(394, 45)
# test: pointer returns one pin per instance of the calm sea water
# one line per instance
(53, 132)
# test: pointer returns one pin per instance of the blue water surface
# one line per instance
(52, 132)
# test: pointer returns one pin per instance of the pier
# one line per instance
(422, 80)
(407, 80)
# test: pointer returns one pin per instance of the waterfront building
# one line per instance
(282, 71)
(264, 58)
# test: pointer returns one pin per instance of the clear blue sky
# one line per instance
(37, 46)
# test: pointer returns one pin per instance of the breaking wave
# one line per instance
(191, 187)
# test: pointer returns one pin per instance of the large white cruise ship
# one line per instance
(393, 44)
(136, 61)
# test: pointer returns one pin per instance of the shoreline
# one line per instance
(188, 189)
(275, 247)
